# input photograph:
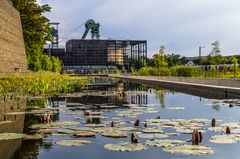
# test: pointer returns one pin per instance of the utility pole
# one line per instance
(200, 54)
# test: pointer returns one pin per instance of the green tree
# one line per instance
(235, 66)
(173, 59)
(216, 51)
(215, 56)
(46, 63)
(56, 64)
(160, 59)
(36, 30)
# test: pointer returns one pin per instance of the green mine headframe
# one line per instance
(94, 27)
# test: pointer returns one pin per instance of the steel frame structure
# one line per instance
(127, 53)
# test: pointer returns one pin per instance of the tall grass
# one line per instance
(189, 71)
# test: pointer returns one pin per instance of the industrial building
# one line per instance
(82, 54)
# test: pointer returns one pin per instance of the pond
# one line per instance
(107, 115)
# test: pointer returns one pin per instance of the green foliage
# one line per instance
(160, 59)
(39, 84)
(235, 68)
(185, 71)
(173, 60)
(56, 64)
(46, 63)
(189, 71)
(215, 57)
(115, 70)
(133, 70)
(36, 30)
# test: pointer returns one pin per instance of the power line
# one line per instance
(71, 32)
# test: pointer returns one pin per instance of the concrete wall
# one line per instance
(193, 86)
(12, 49)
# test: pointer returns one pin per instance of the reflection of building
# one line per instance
(81, 54)
(140, 98)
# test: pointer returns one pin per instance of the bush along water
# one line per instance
(39, 84)
(189, 71)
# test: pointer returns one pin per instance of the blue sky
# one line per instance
(181, 25)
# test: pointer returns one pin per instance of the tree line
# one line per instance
(36, 32)
(215, 57)
(213, 65)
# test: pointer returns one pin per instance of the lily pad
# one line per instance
(164, 142)
(11, 136)
(128, 128)
(17, 113)
(225, 139)
(190, 150)
(54, 125)
(176, 108)
(152, 136)
(33, 137)
(187, 130)
(82, 129)
(216, 129)
(95, 125)
(231, 125)
(114, 134)
(125, 146)
(73, 142)
(5, 122)
(96, 117)
(152, 130)
(65, 131)
(84, 134)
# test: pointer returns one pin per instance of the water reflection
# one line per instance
(97, 98)
(11, 123)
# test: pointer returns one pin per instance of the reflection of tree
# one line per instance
(135, 87)
(160, 94)
(37, 102)
(216, 107)
(93, 121)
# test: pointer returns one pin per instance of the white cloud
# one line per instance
(39, 2)
(181, 25)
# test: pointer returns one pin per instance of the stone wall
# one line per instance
(12, 49)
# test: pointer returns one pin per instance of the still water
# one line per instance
(110, 101)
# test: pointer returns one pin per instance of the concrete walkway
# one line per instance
(209, 88)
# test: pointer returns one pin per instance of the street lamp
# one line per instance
(200, 53)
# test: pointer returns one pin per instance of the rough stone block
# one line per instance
(12, 49)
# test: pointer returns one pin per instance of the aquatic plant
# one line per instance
(39, 84)
(73, 142)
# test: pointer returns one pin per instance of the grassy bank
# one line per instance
(39, 84)
(188, 71)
